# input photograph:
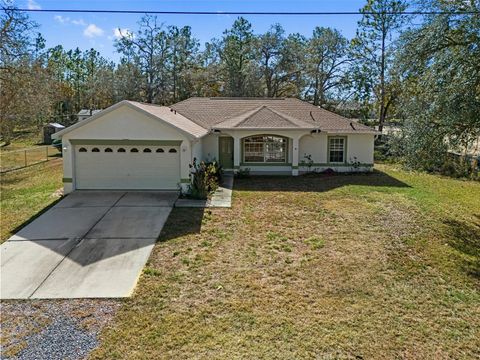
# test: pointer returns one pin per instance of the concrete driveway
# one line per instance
(92, 244)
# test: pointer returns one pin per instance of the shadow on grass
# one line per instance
(181, 222)
(465, 238)
(317, 182)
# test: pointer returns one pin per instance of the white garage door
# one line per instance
(127, 167)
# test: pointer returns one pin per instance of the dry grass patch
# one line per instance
(304, 268)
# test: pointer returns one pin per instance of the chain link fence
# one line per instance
(19, 159)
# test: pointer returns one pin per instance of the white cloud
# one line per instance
(79, 22)
(118, 33)
(66, 20)
(32, 5)
(61, 19)
(92, 30)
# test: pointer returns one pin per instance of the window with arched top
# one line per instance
(147, 150)
(160, 150)
(95, 150)
(108, 150)
(134, 150)
(82, 150)
(121, 150)
(172, 150)
(265, 149)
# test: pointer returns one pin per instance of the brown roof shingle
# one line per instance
(176, 119)
(223, 113)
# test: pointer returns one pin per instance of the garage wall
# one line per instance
(124, 123)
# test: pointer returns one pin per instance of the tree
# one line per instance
(148, 49)
(440, 69)
(327, 59)
(25, 87)
(183, 61)
(280, 60)
(373, 51)
(236, 55)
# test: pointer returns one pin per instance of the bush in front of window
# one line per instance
(243, 173)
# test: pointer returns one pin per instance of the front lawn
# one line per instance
(369, 266)
(27, 191)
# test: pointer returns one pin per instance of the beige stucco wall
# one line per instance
(197, 150)
(125, 123)
(210, 147)
(360, 146)
(315, 145)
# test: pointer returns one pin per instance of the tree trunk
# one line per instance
(315, 94)
(382, 116)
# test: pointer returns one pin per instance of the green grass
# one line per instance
(27, 191)
(376, 266)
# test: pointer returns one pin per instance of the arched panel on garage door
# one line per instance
(121, 168)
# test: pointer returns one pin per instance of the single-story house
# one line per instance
(133, 145)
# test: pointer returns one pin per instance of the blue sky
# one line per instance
(97, 30)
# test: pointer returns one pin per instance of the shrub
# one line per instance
(206, 178)
(307, 162)
(243, 173)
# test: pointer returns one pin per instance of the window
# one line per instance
(121, 150)
(108, 150)
(135, 150)
(82, 150)
(267, 149)
(147, 150)
(172, 150)
(336, 150)
(95, 150)
(160, 150)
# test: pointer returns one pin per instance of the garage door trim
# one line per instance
(129, 169)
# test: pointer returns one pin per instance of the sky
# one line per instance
(98, 31)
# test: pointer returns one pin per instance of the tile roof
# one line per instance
(172, 117)
(238, 113)
(262, 118)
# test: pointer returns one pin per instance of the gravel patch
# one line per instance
(53, 329)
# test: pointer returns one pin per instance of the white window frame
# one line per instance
(264, 152)
(332, 139)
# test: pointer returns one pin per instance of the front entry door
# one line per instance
(225, 152)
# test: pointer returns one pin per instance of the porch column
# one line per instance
(236, 153)
(295, 156)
